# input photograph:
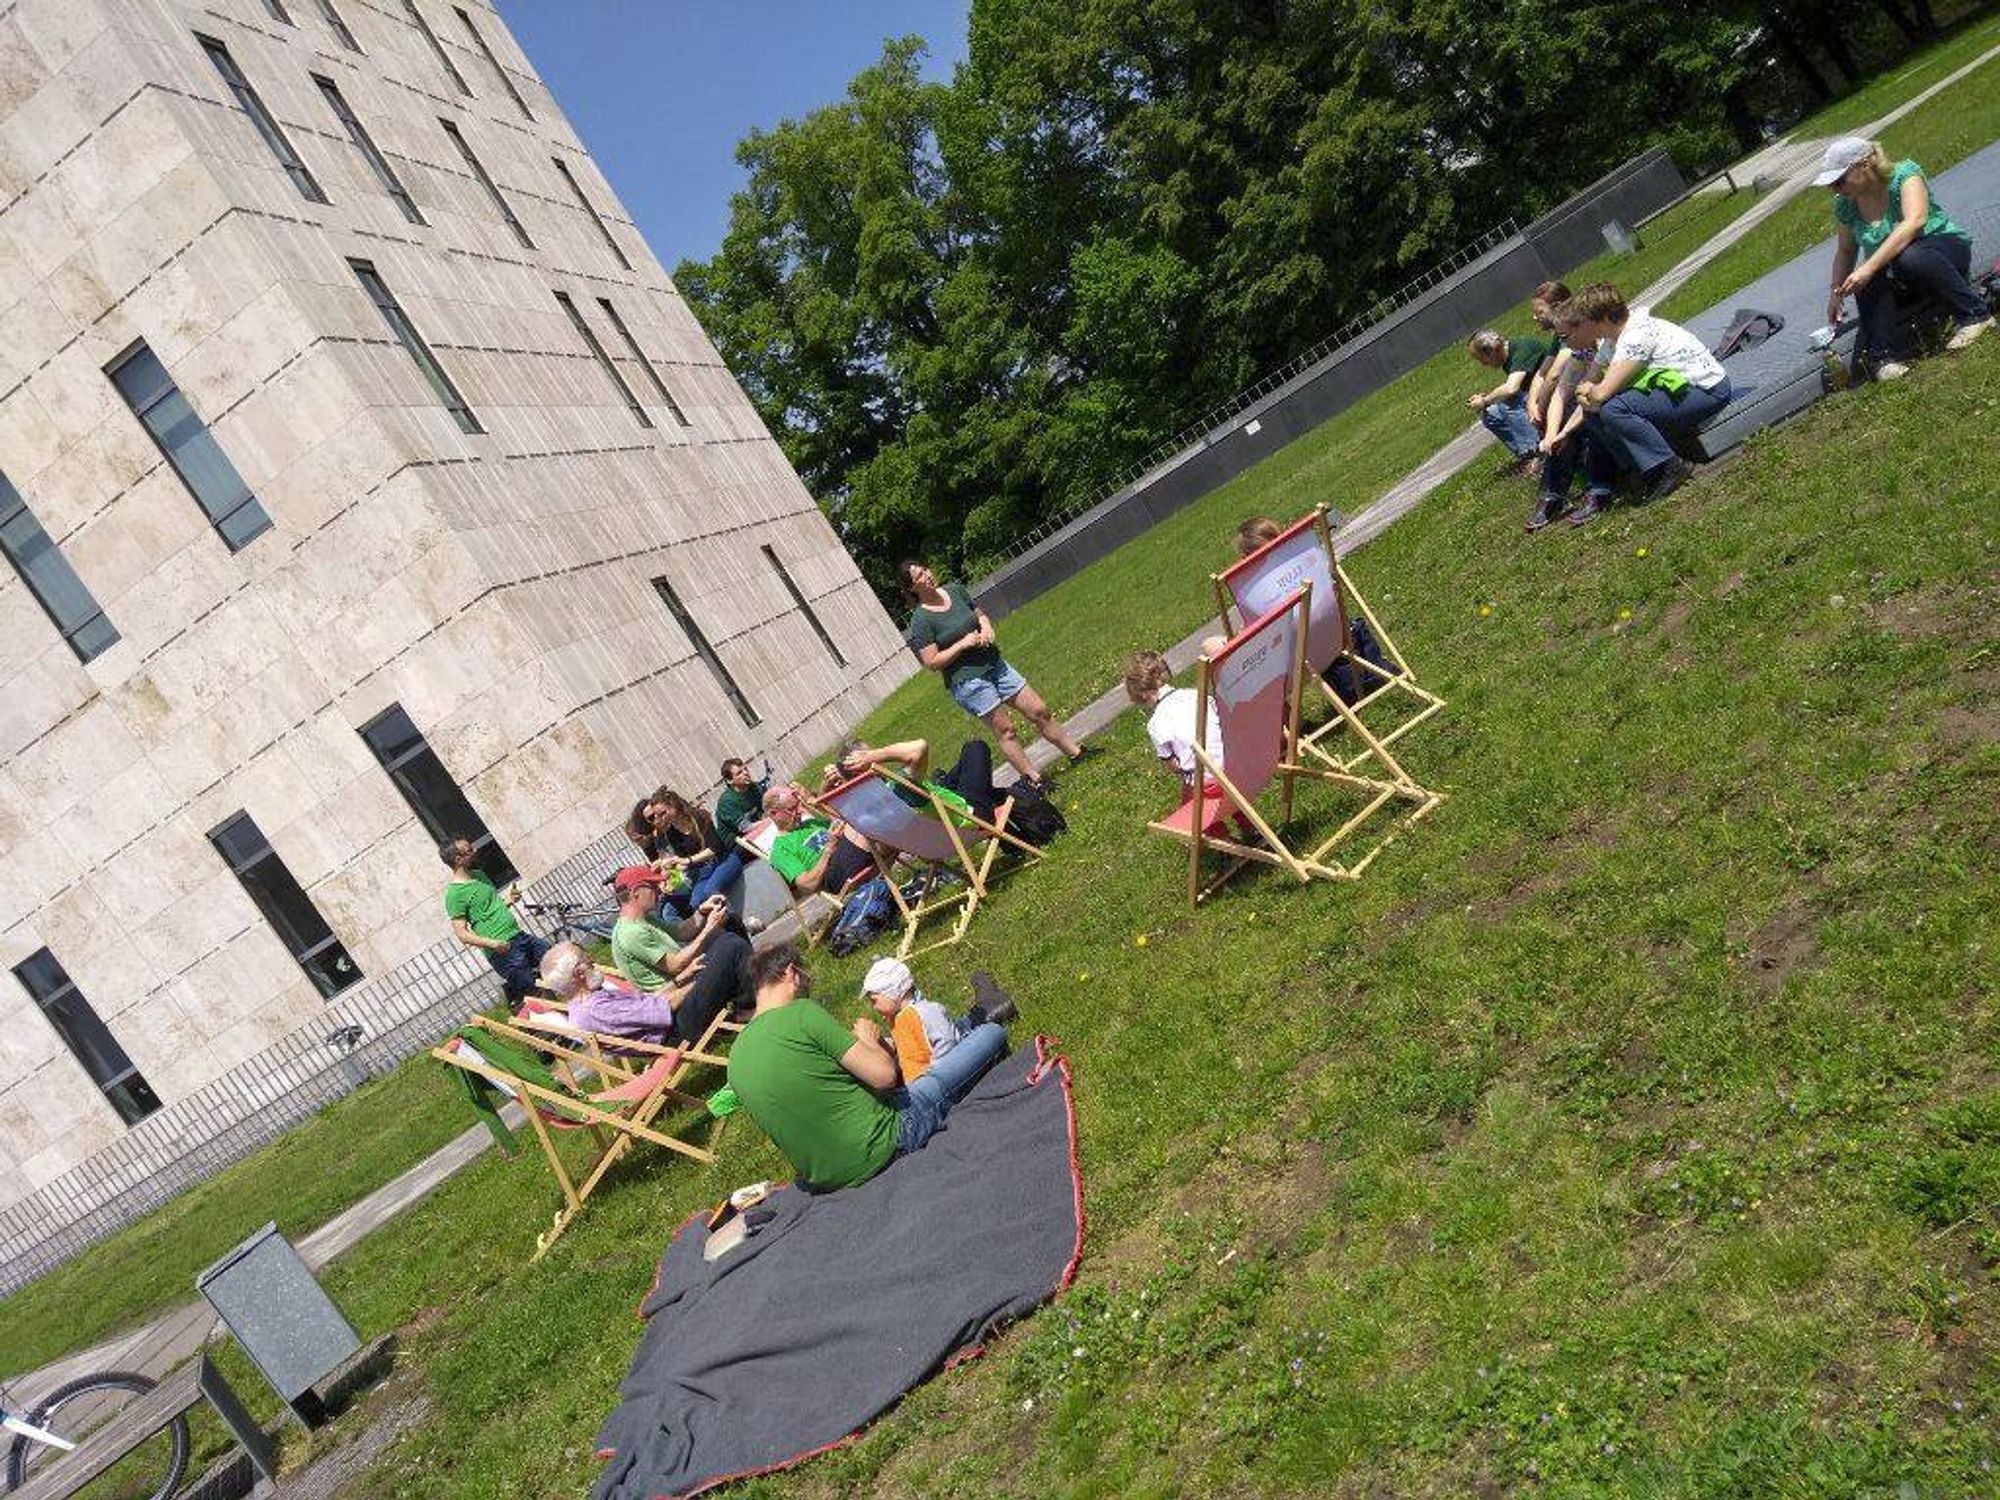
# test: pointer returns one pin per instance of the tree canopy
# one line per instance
(961, 306)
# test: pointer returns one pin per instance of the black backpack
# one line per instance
(1034, 819)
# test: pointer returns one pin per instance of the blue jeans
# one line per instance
(1508, 421)
(519, 965)
(1629, 431)
(1932, 265)
(716, 875)
(921, 1107)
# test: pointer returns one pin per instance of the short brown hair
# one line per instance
(1555, 293)
(1256, 532)
(1146, 672)
(734, 764)
(768, 965)
(1600, 302)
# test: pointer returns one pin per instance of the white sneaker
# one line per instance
(1891, 369)
(753, 925)
(1967, 334)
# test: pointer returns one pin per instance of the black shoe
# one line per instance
(1546, 510)
(1664, 479)
(1084, 753)
(1594, 502)
(991, 1003)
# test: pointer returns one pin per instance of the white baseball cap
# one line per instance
(888, 976)
(1848, 151)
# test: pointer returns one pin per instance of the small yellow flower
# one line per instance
(1141, 940)
(1485, 610)
(1640, 553)
(1083, 977)
(1624, 614)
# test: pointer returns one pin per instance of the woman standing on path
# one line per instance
(951, 635)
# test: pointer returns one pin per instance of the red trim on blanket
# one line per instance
(1047, 1060)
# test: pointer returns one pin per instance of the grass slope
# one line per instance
(1634, 1127)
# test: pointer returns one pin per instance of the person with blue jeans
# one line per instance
(953, 637)
(1895, 244)
(830, 1097)
(1505, 409)
(1653, 381)
(685, 841)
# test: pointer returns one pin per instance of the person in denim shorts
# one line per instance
(952, 635)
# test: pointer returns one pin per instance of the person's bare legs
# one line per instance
(1002, 724)
(1030, 703)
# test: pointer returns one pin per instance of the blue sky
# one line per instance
(662, 90)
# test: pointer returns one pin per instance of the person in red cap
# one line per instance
(701, 954)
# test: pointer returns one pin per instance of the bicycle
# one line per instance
(71, 1412)
(570, 921)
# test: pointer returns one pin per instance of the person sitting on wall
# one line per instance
(827, 1095)
(741, 801)
(701, 951)
(1906, 245)
(590, 1000)
(813, 854)
(1504, 409)
(481, 919)
(1657, 381)
(1564, 439)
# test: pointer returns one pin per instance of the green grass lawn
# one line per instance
(301, 1180)
(1633, 1128)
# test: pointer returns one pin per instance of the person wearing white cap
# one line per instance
(1895, 241)
(919, 1030)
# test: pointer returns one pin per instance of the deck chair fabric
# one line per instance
(543, 1069)
(757, 839)
(839, 1303)
(935, 827)
(1303, 555)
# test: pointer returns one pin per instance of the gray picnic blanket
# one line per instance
(821, 1320)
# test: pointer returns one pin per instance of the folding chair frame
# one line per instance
(808, 933)
(977, 874)
(1272, 849)
(1348, 716)
(612, 1131)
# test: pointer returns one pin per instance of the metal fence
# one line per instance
(412, 1007)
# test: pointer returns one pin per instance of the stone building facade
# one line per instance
(358, 455)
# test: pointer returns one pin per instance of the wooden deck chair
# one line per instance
(497, 1058)
(756, 839)
(913, 820)
(1255, 685)
(1304, 553)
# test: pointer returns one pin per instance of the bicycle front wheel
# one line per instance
(76, 1409)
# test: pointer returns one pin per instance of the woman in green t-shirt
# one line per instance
(1906, 245)
(952, 635)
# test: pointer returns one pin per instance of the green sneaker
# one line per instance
(723, 1102)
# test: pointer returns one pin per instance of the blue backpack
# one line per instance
(864, 916)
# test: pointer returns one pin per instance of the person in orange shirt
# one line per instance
(919, 1030)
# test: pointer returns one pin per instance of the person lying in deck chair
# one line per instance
(589, 1000)
(827, 1095)
(812, 853)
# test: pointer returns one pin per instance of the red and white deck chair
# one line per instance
(1303, 553)
(1254, 685)
(941, 838)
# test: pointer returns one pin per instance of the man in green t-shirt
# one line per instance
(826, 1095)
(812, 853)
(480, 918)
(1503, 410)
(702, 970)
(742, 799)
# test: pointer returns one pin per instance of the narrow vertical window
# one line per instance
(365, 144)
(339, 25)
(285, 904)
(267, 126)
(278, 12)
(414, 345)
(590, 340)
(659, 385)
(89, 1040)
(50, 578)
(506, 83)
(189, 447)
(433, 796)
(704, 650)
(583, 202)
(492, 188)
(805, 606)
(417, 17)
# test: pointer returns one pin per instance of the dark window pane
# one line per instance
(89, 1040)
(507, 83)
(576, 189)
(492, 188)
(50, 578)
(596, 349)
(659, 385)
(705, 651)
(429, 789)
(262, 118)
(365, 144)
(278, 11)
(243, 525)
(94, 637)
(805, 606)
(437, 47)
(340, 29)
(141, 379)
(414, 345)
(190, 448)
(285, 904)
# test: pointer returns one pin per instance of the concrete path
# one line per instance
(165, 1343)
